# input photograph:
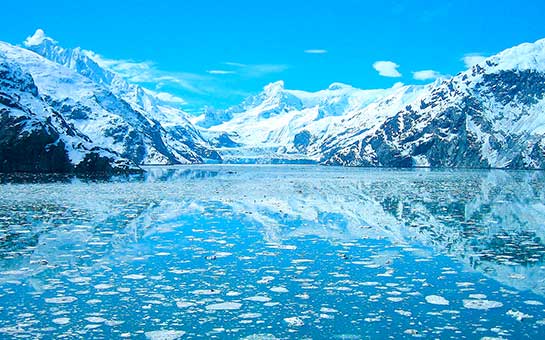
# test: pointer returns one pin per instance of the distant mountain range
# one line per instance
(61, 111)
(490, 116)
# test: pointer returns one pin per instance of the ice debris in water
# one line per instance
(437, 300)
(481, 304)
(518, 315)
(165, 335)
(294, 321)
(61, 299)
(224, 306)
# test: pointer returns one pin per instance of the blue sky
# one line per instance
(217, 52)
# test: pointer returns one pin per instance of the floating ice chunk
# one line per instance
(222, 254)
(260, 337)
(398, 299)
(328, 310)
(303, 296)
(224, 306)
(258, 298)
(61, 321)
(533, 303)
(94, 301)
(481, 304)
(95, 319)
(206, 291)
(283, 246)
(250, 315)
(123, 290)
(279, 290)
(294, 321)
(184, 304)
(233, 293)
(477, 296)
(266, 279)
(437, 300)
(165, 335)
(411, 331)
(134, 277)
(102, 286)
(61, 299)
(403, 312)
(518, 315)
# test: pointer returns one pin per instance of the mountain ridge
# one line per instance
(493, 114)
(489, 116)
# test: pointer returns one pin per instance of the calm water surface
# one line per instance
(266, 252)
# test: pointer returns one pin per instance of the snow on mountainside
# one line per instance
(36, 138)
(169, 136)
(492, 115)
(287, 124)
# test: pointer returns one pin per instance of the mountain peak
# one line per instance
(338, 86)
(37, 38)
(527, 56)
(274, 88)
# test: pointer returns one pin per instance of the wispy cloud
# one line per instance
(473, 59)
(257, 70)
(147, 72)
(426, 75)
(220, 72)
(387, 69)
(168, 97)
(197, 89)
(316, 51)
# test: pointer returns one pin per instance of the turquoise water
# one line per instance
(266, 252)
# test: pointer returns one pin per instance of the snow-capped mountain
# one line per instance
(290, 125)
(34, 137)
(492, 115)
(149, 127)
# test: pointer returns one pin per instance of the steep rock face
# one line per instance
(492, 115)
(485, 117)
(163, 134)
(35, 138)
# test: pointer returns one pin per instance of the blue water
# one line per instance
(265, 252)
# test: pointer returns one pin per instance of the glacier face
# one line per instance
(491, 115)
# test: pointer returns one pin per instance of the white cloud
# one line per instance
(387, 69)
(37, 38)
(426, 75)
(316, 51)
(169, 98)
(147, 72)
(220, 72)
(257, 70)
(471, 60)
